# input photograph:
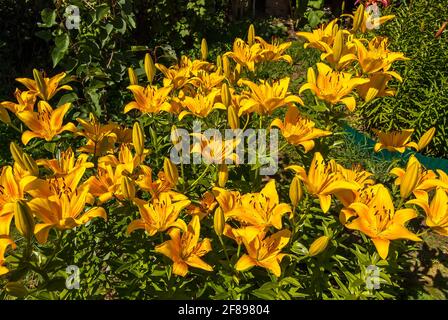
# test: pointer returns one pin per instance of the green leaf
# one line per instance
(48, 18)
(61, 41)
(101, 12)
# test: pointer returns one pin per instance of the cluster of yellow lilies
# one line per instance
(369, 207)
(75, 186)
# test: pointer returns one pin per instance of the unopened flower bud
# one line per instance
(232, 118)
(138, 138)
(295, 191)
(251, 35)
(223, 175)
(358, 18)
(17, 154)
(226, 97)
(171, 173)
(150, 68)
(127, 188)
(219, 221)
(204, 50)
(132, 76)
(23, 219)
(40, 83)
(30, 165)
(318, 246)
(338, 46)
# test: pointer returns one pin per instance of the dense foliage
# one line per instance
(93, 204)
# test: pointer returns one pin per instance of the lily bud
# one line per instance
(138, 138)
(358, 18)
(223, 175)
(127, 188)
(318, 246)
(16, 289)
(17, 154)
(150, 68)
(426, 138)
(204, 49)
(24, 219)
(30, 165)
(226, 97)
(409, 180)
(338, 46)
(232, 118)
(40, 83)
(170, 169)
(226, 67)
(295, 191)
(175, 137)
(219, 221)
(251, 35)
(219, 62)
(4, 116)
(132, 76)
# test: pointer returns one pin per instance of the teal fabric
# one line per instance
(428, 162)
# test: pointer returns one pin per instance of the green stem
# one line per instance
(225, 251)
(201, 176)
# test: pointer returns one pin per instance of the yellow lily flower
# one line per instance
(53, 186)
(12, 189)
(146, 182)
(377, 58)
(186, 250)
(205, 206)
(436, 211)
(126, 161)
(100, 138)
(299, 130)
(332, 86)
(395, 140)
(4, 243)
(265, 98)
(321, 38)
(379, 221)
(244, 55)
(322, 182)
(216, 150)
(414, 179)
(48, 88)
(201, 105)
(45, 123)
(179, 75)
(65, 162)
(25, 102)
(376, 87)
(150, 99)
(342, 52)
(355, 175)
(443, 179)
(263, 252)
(368, 19)
(159, 215)
(364, 195)
(262, 209)
(206, 81)
(274, 51)
(106, 184)
(63, 211)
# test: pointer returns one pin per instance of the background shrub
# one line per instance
(422, 99)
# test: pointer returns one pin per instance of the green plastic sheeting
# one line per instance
(428, 162)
